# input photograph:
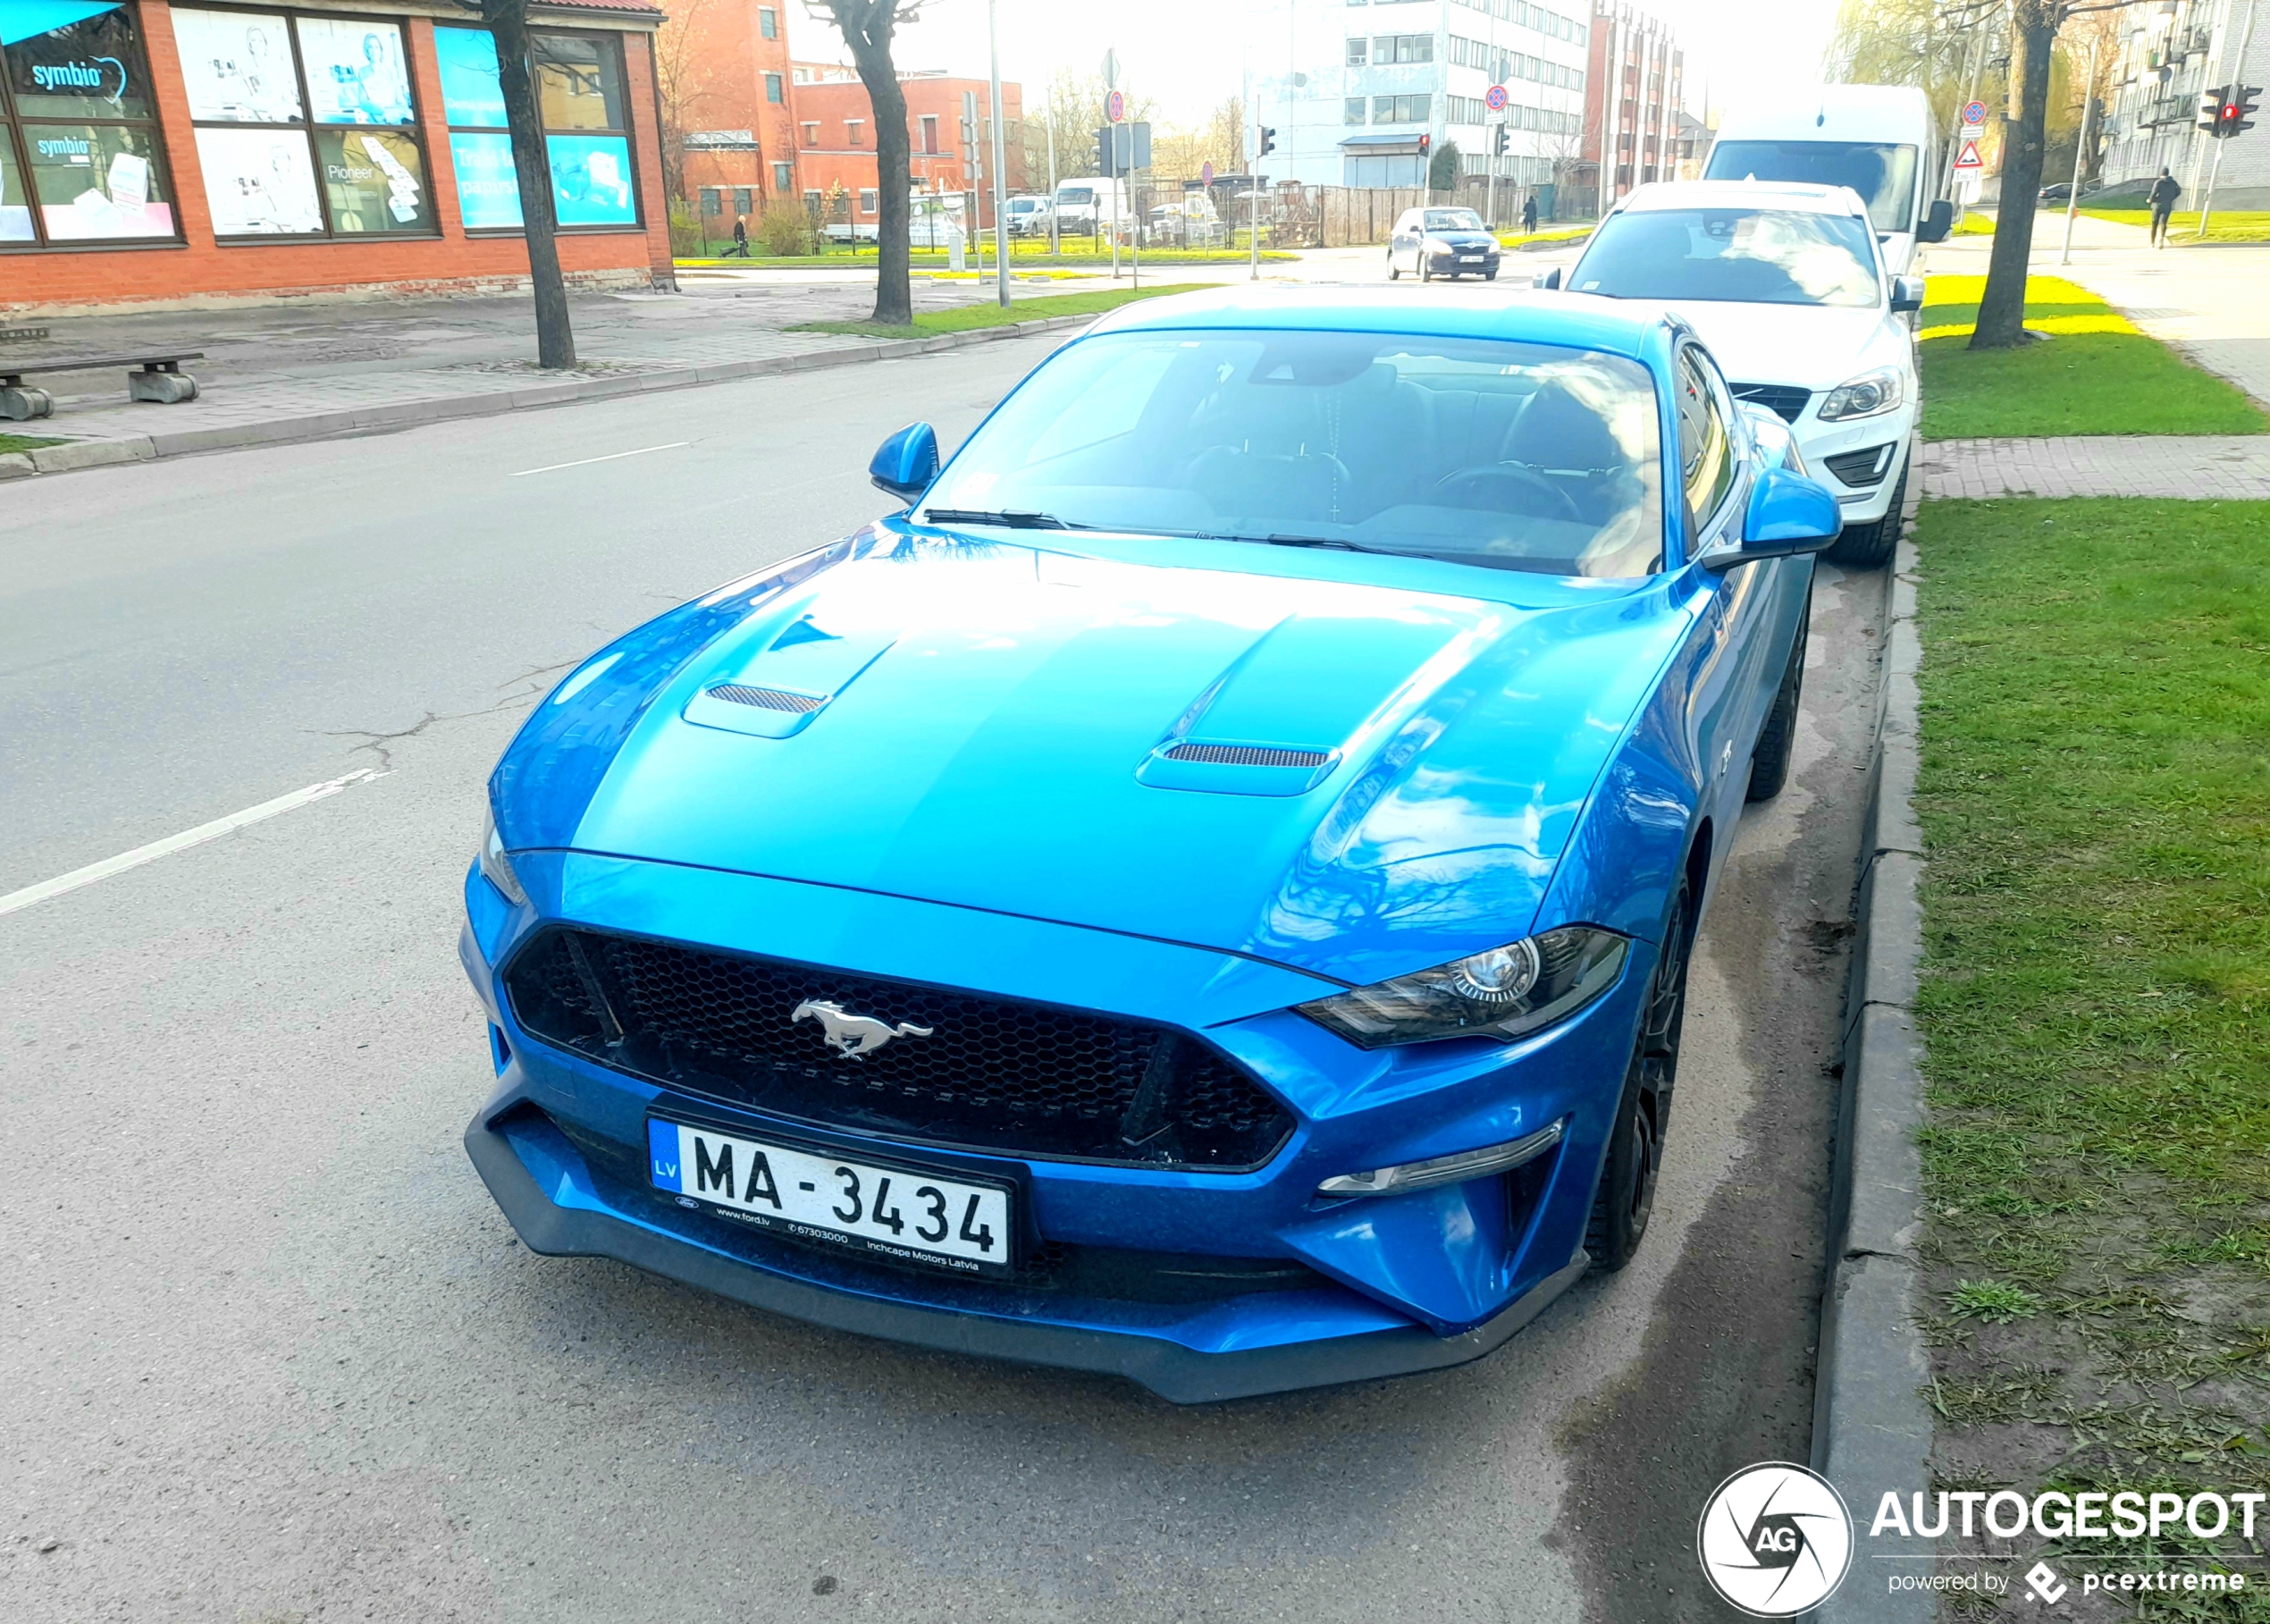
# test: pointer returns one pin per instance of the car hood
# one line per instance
(1352, 776)
(1816, 346)
(1462, 239)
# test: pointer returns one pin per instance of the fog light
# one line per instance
(1445, 1169)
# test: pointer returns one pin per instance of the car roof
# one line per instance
(1793, 195)
(1579, 321)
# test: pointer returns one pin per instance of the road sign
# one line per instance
(1115, 106)
(1968, 159)
(1206, 172)
(1111, 70)
(1974, 112)
(1494, 98)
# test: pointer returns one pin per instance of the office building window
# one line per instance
(742, 203)
(852, 129)
(866, 199)
(768, 22)
(772, 92)
(79, 164)
(711, 204)
(811, 135)
(929, 132)
(1355, 113)
(588, 131)
(1400, 109)
(1358, 53)
(784, 178)
(1402, 49)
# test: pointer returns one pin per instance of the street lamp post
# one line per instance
(1000, 147)
(2081, 150)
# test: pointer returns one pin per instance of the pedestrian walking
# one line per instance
(2163, 196)
(740, 238)
(1528, 215)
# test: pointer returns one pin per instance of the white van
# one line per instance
(1878, 140)
(1084, 205)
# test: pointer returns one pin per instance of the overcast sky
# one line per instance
(1185, 53)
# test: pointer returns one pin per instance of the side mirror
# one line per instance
(905, 463)
(1789, 514)
(1550, 280)
(1907, 293)
(1937, 222)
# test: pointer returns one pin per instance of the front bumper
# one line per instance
(1453, 262)
(1860, 500)
(1385, 1285)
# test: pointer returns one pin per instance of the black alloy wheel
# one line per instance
(1624, 1198)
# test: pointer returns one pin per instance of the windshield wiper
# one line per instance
(1009, 518)
(1277, 539)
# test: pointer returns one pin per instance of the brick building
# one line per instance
(156, 152)
(729, 126)
(836, 135)
(1633, 88)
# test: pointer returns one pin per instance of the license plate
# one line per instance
(911, 1214)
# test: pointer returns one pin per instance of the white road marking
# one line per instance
(611, 457)
(187, 839)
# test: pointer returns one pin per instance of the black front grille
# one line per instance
(1786, 402)
(992, 1074)
(1246, 755)
(1860, 469)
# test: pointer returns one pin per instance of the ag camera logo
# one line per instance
(1775, 1540)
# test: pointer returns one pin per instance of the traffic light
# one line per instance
(2238, 113)
(1426, 145)
(1268, 141)
(1499, 142)
(2211, 102)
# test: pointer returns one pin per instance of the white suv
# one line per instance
(1787, 286)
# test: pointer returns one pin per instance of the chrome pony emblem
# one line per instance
(852, 1036)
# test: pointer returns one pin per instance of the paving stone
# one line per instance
(2207, 468)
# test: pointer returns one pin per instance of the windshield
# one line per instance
(1764, 257)
(1453, 219)
(1514, 456)
(1076, 194)
(1884, 175)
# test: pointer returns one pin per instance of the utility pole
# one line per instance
(1000, 161)
(2081, 151)
(1056, 243)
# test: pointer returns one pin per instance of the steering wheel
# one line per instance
(1561, 505)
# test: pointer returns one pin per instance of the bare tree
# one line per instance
(508, 21)
(681, 85)
(868, 28)
(1069, 114)
(2033, 37)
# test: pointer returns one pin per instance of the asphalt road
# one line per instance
(271, 1354)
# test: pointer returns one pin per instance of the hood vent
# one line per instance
(767, 698)
(1248, 755)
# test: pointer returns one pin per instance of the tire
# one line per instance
(1489, 276)
(1770, 762)
(1394, 270)
(1624, 1198)
(1870, 546)
(1425, 270)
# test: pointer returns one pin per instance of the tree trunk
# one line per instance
(871, 52)
(507, 21)
(2002, 312)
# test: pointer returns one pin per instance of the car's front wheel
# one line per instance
(1394, 270)
(1777, 740)
(1624, 1198)
(1425, 269)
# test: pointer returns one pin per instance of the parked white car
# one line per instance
(1029, 217)
(1788, 288)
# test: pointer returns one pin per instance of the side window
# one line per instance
(1706, 453)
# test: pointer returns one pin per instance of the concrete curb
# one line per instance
(537, 394)
(1872, 1430)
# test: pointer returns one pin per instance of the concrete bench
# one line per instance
(159, 378)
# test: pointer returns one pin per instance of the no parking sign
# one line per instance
(1494, 98)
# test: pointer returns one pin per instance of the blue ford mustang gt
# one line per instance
(1204, 892)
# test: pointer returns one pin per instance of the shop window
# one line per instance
(82, 156)
(305, 126)
(768, 22)
(587, 133)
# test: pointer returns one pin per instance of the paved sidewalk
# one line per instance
(2210, 467)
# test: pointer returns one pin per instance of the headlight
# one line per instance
(1871, 393)
(1505, 993)
(498, 867)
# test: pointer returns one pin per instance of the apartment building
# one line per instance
(2169, 55)
(1635, 92)
(1364, 92)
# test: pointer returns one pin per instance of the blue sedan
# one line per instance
(1204, 892)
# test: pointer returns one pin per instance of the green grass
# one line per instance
(24, 442)
(1974, 224)
(2229, 225)
(964, 317)
(2095, 374)
(1023, 257)
(1552, 233)
(2095, 999)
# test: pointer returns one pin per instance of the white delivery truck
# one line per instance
(1878, 140)
(1084, 205)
